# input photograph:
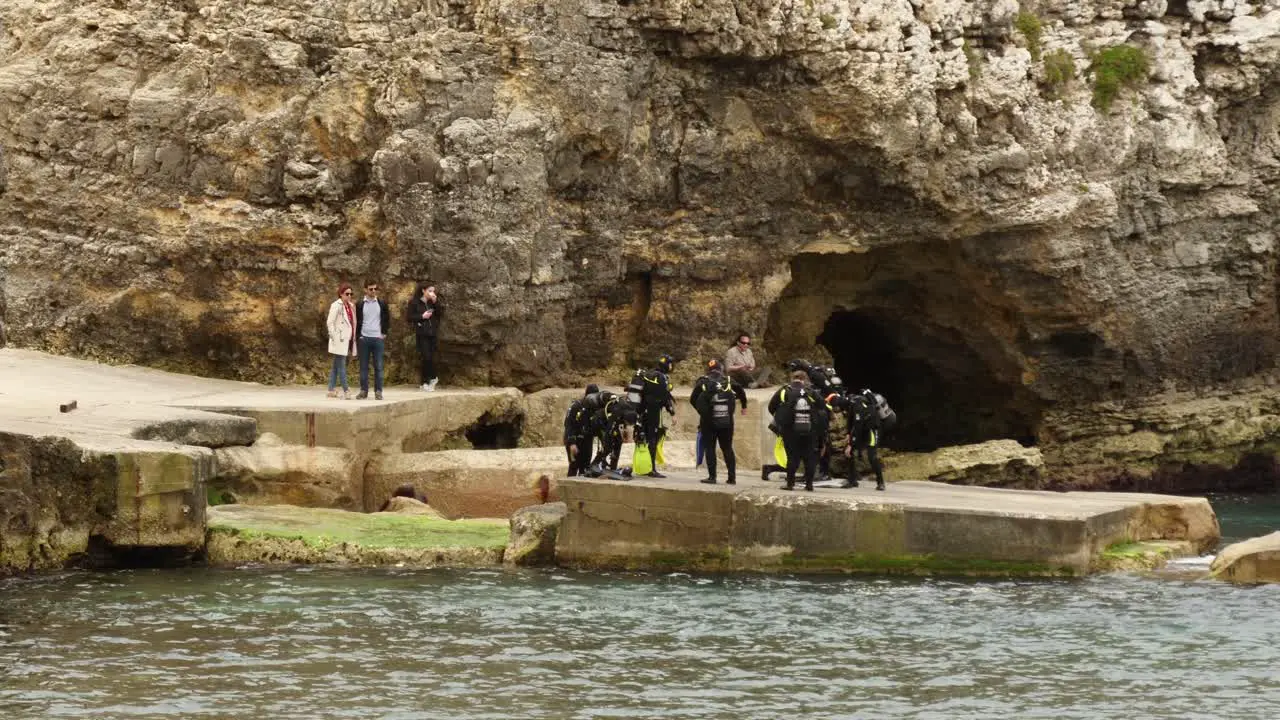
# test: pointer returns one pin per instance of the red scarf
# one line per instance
(351, 322)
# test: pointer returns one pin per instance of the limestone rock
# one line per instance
(533, 535)
(410, 506)
(1217, 440)
(589, 185)
(1256, 560)
(997, 463)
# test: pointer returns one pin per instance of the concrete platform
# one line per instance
(913, 527)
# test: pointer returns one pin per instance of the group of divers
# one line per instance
(803, 413)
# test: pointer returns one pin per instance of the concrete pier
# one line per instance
(913, 527)
(134, 462)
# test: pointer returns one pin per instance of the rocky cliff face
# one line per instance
(940, 195)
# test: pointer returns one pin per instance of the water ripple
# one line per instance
(492, 644)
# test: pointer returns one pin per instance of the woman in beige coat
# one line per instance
(342, 331)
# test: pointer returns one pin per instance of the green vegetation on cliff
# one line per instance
(1030, 27)
(1114, 68)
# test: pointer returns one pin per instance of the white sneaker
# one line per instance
(434, 382)
(426, 387)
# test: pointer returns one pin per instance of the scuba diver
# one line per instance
(578, 438)
(713, 397)
(650, 392)
(612, 420)
(802, 420)
(863, 418)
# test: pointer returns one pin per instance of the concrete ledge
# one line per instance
(408, 421)
(915, 527)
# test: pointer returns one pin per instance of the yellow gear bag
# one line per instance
(779, 452)
(641, 463)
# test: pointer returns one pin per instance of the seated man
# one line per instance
(740, 364)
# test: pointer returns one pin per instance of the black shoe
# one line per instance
(764, 475)
(849, 484)
(880, 485)
(808, 486)
(364, 395)
(789, 486)
(731, 481)
(708, 481)
(656, 474)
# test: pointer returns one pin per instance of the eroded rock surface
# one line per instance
(1256, 560)
(184, 184)
(533, 535)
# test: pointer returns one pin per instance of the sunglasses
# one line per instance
(372, 289)
(744, 342)
(346, 292)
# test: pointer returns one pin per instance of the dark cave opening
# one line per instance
(490, 433)
(940, 388)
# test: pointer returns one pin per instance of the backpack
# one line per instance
(635, 388)
(796, 415)
(717, 401)
(651, 387)
(888, 418)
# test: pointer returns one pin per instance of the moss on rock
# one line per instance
(293, 535)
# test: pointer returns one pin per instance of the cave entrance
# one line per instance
(911, 328)
(495, 433)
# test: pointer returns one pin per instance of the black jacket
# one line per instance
(417, 306)
(385, 313)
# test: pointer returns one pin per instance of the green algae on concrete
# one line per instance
(294, 535)
(1131, 556)
(858, 563)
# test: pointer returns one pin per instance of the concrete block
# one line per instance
(273, 474)
(469, 483)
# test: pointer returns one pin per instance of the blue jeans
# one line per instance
(338, 373)
(371, 346)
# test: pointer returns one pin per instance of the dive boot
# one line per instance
(850, 483)
(708, 481)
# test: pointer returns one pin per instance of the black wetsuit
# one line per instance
(864, 433)
(578, 435)
(802, 447)
(608, 423)
(713, 430)
(655, 398)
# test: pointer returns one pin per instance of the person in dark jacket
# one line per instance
(373, 321)
(713, 397)
(424, 314)
(578, 438)
(802, 420)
